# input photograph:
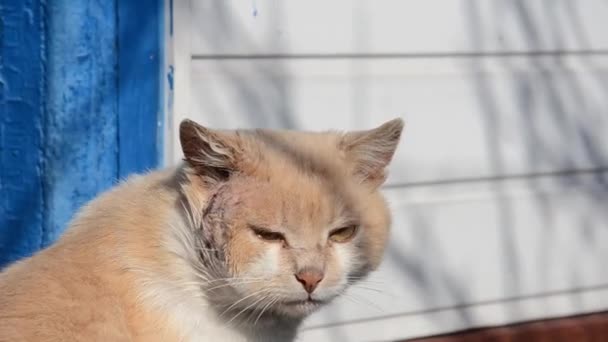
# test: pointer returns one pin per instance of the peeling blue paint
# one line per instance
(21, 129)
(170, 77)
(80, 107)
(81, 141)
(170, 80)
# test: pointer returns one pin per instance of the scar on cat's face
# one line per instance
(298, 215)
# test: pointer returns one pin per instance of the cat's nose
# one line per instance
(309, 279)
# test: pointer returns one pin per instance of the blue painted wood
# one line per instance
(140, 103)
(81, 103)
(21, 130)
(81, 144)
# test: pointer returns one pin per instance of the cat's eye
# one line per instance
(268, 235)
(343, 234)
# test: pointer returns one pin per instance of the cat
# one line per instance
(253, 232)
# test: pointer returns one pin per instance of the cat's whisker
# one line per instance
(258, 307)
(352, 281)
(363, 302)
(379, 291)
(273, 300)
(190, 283)
(206, 249)
(347, 297)
(243, 299)
(247, 308)
(275, 295)
(364, 280)
(365, 287)
(234, 284)
(233, 278)
(270, 304)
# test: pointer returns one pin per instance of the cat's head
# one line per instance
(290, 219)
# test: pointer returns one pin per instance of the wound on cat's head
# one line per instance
(297, 215)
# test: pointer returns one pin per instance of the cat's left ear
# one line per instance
(212, 153)
(369, 152)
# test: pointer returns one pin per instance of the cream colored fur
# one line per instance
(174, 255)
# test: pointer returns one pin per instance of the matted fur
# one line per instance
(184, 254)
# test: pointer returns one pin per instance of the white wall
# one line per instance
(499, 186)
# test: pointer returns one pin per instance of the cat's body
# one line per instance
(91, 285)
(240, 243)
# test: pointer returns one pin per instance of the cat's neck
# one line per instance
(191, 311)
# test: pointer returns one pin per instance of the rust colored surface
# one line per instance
(587, 328)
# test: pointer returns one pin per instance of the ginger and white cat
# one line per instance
(252, 233)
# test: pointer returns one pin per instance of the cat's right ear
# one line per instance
(210, 152)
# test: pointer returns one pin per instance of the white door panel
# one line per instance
(473, 118)
(236, 27)
(536, 247)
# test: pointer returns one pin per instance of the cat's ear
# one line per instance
(369, 152)
(212, 153)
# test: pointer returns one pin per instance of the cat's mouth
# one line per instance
(308, 301)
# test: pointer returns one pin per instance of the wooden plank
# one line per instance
(584, 328)
(481, 254)
(21, 131)
(317, 27)
(140, 77)
(81, 142)
(465, 119)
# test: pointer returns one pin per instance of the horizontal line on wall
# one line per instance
(498, 178)
(464, 306)
(413, 55)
